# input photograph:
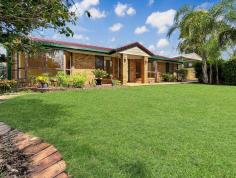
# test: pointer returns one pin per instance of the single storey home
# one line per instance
(130, 63)
(188, 61)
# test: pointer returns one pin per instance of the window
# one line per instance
(99, 62)
(170, 68)
(167, 67)
(108, 66)
(151, 69)
(103, 63)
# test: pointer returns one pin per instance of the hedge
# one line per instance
(227, 71)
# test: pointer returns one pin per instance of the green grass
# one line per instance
(152, 131)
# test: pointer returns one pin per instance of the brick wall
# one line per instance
(84, 63)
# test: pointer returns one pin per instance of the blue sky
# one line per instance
(118, 22)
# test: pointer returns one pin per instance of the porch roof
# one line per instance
(163, 58)
(98, 49)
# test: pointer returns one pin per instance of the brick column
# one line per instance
(145, 70)
(124, 62)
(156, 71)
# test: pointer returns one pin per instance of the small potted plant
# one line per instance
(43, 80)
(99, 75)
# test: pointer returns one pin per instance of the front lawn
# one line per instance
(151, 131)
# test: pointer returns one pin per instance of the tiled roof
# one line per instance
(71, 44)
(99, 49)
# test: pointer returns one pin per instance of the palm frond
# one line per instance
(171, 30)
(227, 36)
(182, 12)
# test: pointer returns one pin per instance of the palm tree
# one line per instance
(198, 28)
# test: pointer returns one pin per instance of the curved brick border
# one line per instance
(44, 159)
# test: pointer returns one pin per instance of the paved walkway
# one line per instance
(162, 83)
(8, 96)
(43, 160)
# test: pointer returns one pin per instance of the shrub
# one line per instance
(167, 77)
(62, 79)
(43, 79)
(75, 80)
(78, 80)
(182, 74)
(98, 73)
(8, 86)
(229, 72)
(116, 82)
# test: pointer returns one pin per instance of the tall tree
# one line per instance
(19, 18)
(199, 28)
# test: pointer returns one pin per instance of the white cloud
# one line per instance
(80, 37)
(140, 30)
(204, 6)
(79, 9)
(116, 27)
(123, 9)
(96, 13)
(57, 36)
(152, 48)
(161, 20)
(113, 39)
(131, 11)
(120, 9)
(151, 2)
(162, 43)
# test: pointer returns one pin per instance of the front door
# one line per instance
(138, 69)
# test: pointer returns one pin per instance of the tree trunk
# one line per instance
(204, 71)
(217, 74)
(210, 74)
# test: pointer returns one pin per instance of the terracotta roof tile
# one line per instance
(70, 44)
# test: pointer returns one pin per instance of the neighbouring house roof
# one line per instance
(98, 49)
(190, 56)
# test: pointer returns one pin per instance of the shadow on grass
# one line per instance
(32, 114)
(136, 169)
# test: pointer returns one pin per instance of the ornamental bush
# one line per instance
(182, 74)
(78, 80)
(167, 77)
(8, 86)
(75, 80)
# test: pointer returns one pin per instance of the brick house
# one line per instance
(131, 63)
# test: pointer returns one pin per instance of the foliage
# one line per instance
(198, 71)
(182, 74)
(62, 78)
(128, 131)
(75, 80)
(116, 82)
(78, 80)
(200, 30)
(229, 72)
(19, 18)
(98, 73)
(167, 77)
(8, 86)
(43, 79)
(3, 58)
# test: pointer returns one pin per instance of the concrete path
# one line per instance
(162, 83)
